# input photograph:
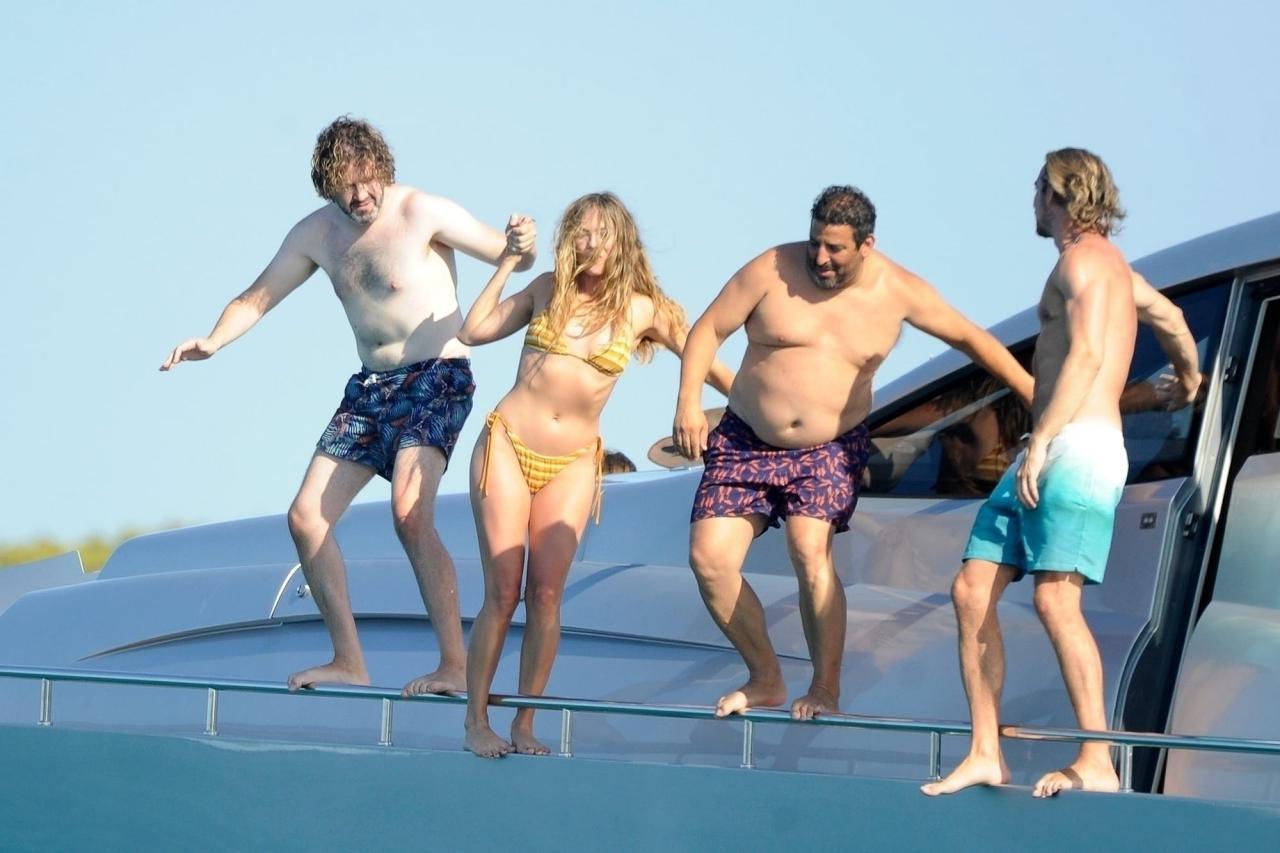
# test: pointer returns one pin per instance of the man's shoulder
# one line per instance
(896, 278)
(769, 265)
(1092, 259)
(416, 202)
(316, 224)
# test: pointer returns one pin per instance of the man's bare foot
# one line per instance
(523, 741)
(972, 771)
(752, 695)
(484, 742)
(330, 673)
(1080, 776)
(816, 701)
(441, 681)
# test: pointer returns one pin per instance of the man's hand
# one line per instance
(689, 431)
(522, 234)
(1174, 392)
(1029, 472)
(196, 349)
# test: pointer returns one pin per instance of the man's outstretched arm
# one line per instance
(455, 227)
(288, 269)
(1174, 336)
(932, 314)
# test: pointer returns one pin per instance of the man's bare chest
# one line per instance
(860, 332)
(383, 267)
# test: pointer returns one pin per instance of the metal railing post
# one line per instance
(935, 756)
(46, 702)
(385, 738)
(566, 733)
(748, 745)
(211, 713)
(1126, 768)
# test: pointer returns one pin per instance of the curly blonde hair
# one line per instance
(626, 273)
(350, 142)
(1083, 183)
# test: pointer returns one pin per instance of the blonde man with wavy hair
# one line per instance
(535, 472)
(1052, 512)
(1088, 194)
(389, 251)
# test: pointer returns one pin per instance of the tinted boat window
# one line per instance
(958, 441)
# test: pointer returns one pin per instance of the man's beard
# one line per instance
(364, 217)
(825, 284)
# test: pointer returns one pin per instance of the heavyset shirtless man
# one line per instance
(820, 319)
(388, 249)
(1052, 513)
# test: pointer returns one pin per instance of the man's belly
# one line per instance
(389, 339)
(799, 414)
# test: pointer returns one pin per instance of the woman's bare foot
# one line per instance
(816, 701)
(484, 741)
(441, 681)
(972, 771)
(330, 673)
(1080, 776)
(523, 741)
(753, 694)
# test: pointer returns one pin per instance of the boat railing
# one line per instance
(1125, 741)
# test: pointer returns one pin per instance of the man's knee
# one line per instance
(306, 522)
(709, 562)
(970, 594)
(1057, 602)
(810, 555)
(414, 520)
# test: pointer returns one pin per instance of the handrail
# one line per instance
(935, 728)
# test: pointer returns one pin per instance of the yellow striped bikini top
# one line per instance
(611, 360)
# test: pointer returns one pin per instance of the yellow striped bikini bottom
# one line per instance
(538, 468)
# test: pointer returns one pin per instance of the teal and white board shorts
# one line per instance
(1070, 529)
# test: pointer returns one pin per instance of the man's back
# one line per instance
(1095, 275)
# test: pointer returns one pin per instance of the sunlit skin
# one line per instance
(1089, 310)
(530, 540)
(389, 252)
(820, 318)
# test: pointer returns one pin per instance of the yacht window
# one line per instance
(958, 441)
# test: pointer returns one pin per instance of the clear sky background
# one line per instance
(155, 154)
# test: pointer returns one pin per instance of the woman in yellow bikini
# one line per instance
(535, 472)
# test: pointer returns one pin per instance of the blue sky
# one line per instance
(155, 154)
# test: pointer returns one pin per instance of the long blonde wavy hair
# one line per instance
(1084, 184)
(626, 274)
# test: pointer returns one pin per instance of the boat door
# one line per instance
(1229, 681)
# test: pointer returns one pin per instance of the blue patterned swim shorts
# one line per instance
(383, 412)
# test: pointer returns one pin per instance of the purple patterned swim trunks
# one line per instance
(383, 412)
(745, 476)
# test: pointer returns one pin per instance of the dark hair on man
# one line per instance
(616, 462)
(846, 205)
(350, 143)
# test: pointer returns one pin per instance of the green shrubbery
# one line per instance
(93, 551)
